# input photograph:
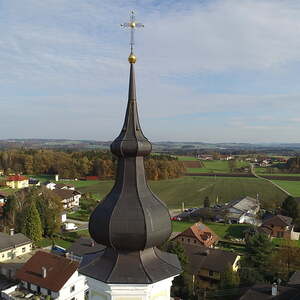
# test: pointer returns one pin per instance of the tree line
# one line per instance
(76, 164)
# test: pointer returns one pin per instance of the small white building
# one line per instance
(48, 274)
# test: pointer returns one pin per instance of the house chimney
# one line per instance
(44, 272)
(11, 231)
(274, 289)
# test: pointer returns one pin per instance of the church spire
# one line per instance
(131, 221)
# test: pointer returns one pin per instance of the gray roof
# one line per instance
(244, 204)
(263, 292)
(295, 278)
(11, 241)
(84, 245)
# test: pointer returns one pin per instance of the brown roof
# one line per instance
(62, 185)
(59, 270)
(202, 233)
(65, 194)
(278, 220)
(207, 258)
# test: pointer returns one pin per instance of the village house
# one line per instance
(280, 227)
(207, 265)
(241, 211)
(82, 247)
(17, 182)
(12, 247)
(69, 198)
(198, 235)
(51, 275)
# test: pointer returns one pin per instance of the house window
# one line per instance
(49, 292)
(9, 254)
(3, 255)
(188, 240)
(280, 234)
(72, 289)
(195, 241)
(182, 239)
(23, 249)
(211, 273)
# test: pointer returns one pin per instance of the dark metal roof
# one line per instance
(85, 245)
(135, 267)
(131, 220)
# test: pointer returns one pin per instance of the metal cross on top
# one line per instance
(132, 25)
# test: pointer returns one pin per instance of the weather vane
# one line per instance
(132, 25)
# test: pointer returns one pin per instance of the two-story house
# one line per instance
(207, 265)
(17, 182)
(49, 275)
(198, 235)
(69, 198)
(279, 226)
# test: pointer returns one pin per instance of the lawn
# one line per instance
(178, 226)
(292, 187)
(282, 242)
(233, 230)
(46, 242)
(193, 190)
(187, 158)
(216, 166)
(80, 215)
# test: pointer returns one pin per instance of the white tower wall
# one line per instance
(157, 291)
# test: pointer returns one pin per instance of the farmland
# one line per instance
(293, 187)
(192, 190)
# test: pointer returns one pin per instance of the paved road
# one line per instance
(275, 184)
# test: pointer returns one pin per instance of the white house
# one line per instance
(69, 198)
(48, 274)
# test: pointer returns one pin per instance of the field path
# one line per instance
(275, 184)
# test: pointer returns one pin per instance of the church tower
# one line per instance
(131, 221)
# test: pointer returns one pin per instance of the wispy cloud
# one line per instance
(63, 68)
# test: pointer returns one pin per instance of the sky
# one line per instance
(207, 70)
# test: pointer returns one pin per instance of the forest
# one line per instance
(78, 164)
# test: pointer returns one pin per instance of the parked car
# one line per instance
(70, 226)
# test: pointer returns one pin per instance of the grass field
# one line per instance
(216, 166)
(264, 171)
(193, 190)
(292, 187)
(234, 230)
(187, 158)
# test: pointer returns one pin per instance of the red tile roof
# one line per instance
(202, 233)
(58, 270)
(16, 178)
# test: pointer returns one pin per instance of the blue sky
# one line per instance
(211, 71)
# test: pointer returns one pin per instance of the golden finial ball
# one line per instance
(132, 58)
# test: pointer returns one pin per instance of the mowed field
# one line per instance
(292, 187)
(193, 190)
(215, 166)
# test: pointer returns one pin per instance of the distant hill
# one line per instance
(180, 147)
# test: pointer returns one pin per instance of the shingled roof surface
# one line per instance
(58, 270)
(264, 292)
(11, 241)
(84, 245)
(65, 194)
(278, 220)
(202, 233)
(210, 259)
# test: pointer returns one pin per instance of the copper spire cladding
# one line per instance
(131, 221)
